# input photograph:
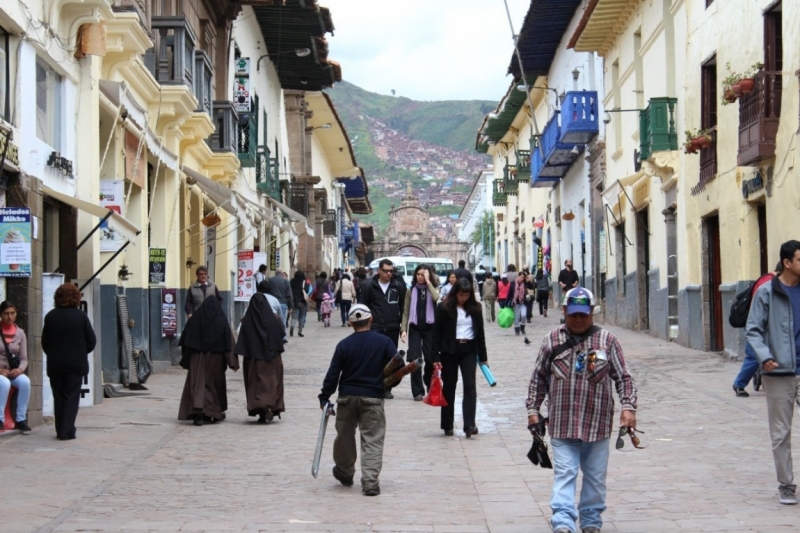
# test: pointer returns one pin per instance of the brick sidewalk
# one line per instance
(708, 466)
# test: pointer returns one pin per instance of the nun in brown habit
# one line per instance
(260, 342)
(207, 349)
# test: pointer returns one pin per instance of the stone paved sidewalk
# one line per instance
(134, 467)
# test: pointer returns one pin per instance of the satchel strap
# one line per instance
(573, 341)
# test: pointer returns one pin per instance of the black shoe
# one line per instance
(448, 432)
(23, 427)
(471, 431)
(374, 491)
(262, 418)
(269, 415)
(199, 421)
(291, 331)
(419, 397)
(344, 480)
(300, 333)
(740, 392)
(388, 395)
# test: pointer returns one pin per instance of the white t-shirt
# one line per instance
(384, 286)
(464, 325)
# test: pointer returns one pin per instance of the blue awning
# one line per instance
(356, 193)
(541, 35)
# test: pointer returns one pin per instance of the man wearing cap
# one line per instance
(582, 359)
(357, 369)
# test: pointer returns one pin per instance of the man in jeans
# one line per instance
(283, 292)
(357, 368)
(773, 331)
(574, 369)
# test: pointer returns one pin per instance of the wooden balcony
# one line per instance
(524, 164)
(657, 127)
(140, 7)
(499, 197)
(510, 180)
(298, 198)
(225, 136)
(248, 139)
(759, 118)
(267, 181)
(203, 81)
(176, 42)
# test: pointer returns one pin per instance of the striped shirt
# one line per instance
(580, 405)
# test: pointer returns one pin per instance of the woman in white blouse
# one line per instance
(459, 342)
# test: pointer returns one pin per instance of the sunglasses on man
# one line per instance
(387, 271)
(634, 439)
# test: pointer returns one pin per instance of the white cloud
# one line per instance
(426, 49)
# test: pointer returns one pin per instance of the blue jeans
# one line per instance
(591, 458)
(749, 368)
(23, 386)
(284, 312)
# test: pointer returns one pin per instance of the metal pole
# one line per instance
(71, 257)
(88, 281)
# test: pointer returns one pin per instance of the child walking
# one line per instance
(327, 309)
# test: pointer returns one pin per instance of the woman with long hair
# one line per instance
(448, 285)
(299, 295)
(459, 343)
(419, 313)
(347, 295)
(516, 300)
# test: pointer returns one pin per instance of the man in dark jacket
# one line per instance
(283, 292)
(462, 272)
(357, 367)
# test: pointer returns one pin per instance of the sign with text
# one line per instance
(245, 282)
(241, 94)
(112, 194)
(273, 255)
(15, 242)
(158, 266)
(169, 313)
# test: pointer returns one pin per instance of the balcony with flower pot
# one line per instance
(759, 118)
(499, 197)
(657, 127)
(524, 164)
(511, 180)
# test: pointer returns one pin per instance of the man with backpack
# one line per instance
(773, 331)
(740, 310)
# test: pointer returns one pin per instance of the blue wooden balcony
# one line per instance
(558, 155)
(579, 120)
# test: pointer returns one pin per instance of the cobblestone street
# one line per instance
(707, 467)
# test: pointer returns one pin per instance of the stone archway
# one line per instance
(412, 248)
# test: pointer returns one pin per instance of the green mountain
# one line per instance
(450, 124)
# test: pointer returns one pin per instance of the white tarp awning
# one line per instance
(219, 194)
(294, 215)
(117, 93)
(116, 221)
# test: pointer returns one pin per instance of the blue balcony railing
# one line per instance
(579, 120)
(557, 156)
(538, 170)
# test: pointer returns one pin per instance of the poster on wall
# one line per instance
(169, 313)
(211, 252)
(245, 283)
(112, 194)
(15, 242)
(158, 266)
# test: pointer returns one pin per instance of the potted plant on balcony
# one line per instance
(692, 144)
(748, 81)
(730, 85)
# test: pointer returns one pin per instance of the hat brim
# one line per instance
(573, 309)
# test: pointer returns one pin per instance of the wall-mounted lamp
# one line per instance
(325, 126)
(607, 114)
(297, 52)
(123, 273)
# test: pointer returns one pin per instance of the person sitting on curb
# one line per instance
(357, 368)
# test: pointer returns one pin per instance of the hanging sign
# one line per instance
(112, 193)
(169, 313)
(274, 258)
(15, 242)
(242, 66)
(158, 266)
(245, 282)
(241, 94)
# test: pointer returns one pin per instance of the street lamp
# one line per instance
(607, 114)
(325, 126)
(298, 52)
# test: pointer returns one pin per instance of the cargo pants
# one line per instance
(367, 415)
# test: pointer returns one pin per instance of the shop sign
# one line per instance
(158, 266)
(12, 156)
(242, 66)
(249, 261)
(169, 313)
(752, 186)
(241, 94)
(15, 242)
(112, 193)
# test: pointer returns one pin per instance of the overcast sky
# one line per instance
(426, 49)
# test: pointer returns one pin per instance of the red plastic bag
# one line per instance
(435, 396)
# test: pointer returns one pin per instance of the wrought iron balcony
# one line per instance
(267, 181)
(224, 138)
(759, 117)
(499, 197)
(248, 139)
(175, 44)
(329, 224)
(510, 180)
(524, 164)
(298, 198)
(203, 81)
(579, 120)
(553, 160)
(657, 127)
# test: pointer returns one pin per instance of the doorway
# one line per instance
(762, 240)
(642, 265)
(714, 279)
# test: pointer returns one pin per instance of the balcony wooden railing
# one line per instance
(224, 138)
(140, 7)
(579, 120)
(176, 42)
(524, 164)
(657, 127)
(511, 180)
(499, 197)
(708, 165)
(203, 81)
(759, 118)
(298, 198)
(248, 139)
(329, 224)
(267, 181)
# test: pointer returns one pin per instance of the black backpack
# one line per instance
(740, 308)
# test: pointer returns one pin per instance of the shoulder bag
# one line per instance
(13, 359)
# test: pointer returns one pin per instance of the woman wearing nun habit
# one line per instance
(207, 349)
(260, 342)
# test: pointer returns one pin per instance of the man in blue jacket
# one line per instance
(773, 331)
(357, 367)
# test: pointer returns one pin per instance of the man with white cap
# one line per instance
(574, 369)
(357, 369)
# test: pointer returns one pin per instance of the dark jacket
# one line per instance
(282, 291)
(463, 273)
(357, 366)
(67, 339)
(770, 327)
(387, 309)
(444, 334)
(298, 292)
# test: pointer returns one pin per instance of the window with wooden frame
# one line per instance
(708, 122)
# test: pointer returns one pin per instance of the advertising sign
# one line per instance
(211, 251)
(112, 194)
(242, 66)
(158, 266)
(241, 94)
(15, 242)
(245, 281)
(169, 313)
(273, 256)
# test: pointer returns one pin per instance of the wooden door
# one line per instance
(714, 281)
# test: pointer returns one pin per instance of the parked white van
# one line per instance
(406, 264)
